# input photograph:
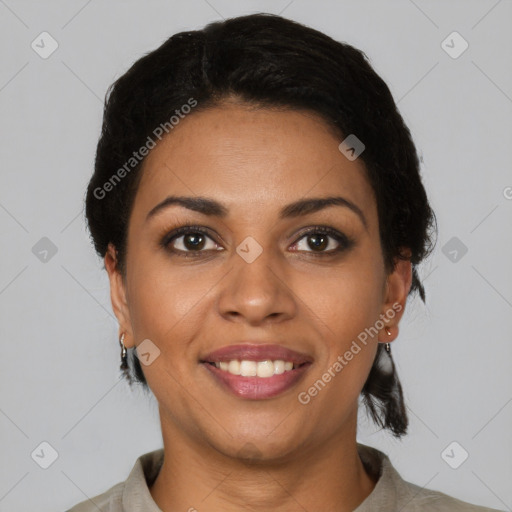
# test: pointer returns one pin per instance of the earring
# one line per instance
(124, 353)
(124, 361)
(387, 347)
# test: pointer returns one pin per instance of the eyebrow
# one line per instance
(213, 208)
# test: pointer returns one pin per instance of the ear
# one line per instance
(118, 295)
(396, 289)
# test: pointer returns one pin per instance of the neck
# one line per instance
(324, 477)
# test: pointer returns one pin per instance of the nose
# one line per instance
(258, 292)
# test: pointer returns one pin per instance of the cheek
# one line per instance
(167, 307)
(345, 308)
(165, 300)
(346, 300)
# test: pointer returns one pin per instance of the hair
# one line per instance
(268, 61)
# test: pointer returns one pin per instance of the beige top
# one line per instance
(391, 493)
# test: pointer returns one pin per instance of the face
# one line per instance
(251, 268)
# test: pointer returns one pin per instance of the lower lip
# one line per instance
(258, 388)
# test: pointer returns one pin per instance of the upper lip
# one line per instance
(256, 352)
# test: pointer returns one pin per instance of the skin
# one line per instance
(224, 452)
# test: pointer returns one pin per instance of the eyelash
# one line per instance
(345, 242)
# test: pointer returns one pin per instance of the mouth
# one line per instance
(255, 371)
(262, 369)
(252, 386)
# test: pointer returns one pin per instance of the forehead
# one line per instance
(249, 158)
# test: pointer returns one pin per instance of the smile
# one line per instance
(263, 369)
(256, 380)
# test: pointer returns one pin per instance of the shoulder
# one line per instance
(109, 501)
(132, 494)
(392, 492)
(418, 499)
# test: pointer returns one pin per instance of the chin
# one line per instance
(262, 449)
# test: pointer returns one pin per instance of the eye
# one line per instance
(323, 240)
(194, 241)
(190, 240)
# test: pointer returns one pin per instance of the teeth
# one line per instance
(263, 369)
(278, 367)
(249, 368)
(234, 367)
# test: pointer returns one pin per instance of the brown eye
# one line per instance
(318, 241)
(189, 239)
(193, 241)
(323, 240)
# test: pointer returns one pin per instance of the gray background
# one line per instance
(59, 375)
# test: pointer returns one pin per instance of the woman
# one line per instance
(259, 208)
